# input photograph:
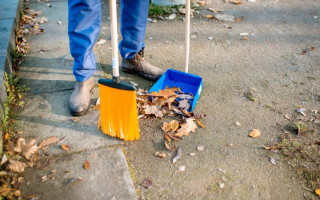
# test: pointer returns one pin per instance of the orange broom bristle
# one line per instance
(118, 113)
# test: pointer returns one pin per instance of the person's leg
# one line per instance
(134, 15)
(84, 18)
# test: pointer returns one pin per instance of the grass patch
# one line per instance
(303, 156)
(16, 55)
(14, 98)
(299, 127)
(159, 10)
(155, 10)
(250, 96)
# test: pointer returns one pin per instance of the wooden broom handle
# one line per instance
(114, 38)
(188, 2)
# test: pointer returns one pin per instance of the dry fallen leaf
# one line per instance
(172, 126)
(27, 150)
(175, 125)
(30, 164)
(21, 179)
(272, 148)
(147, 183)
(255, 133)
(153, 110)
(186, 128)
(10, 148)
(166, 93)
(86, 165)
(181, 169)
(3, 173)
(200, 148)
(66, 147)
(203, 2)
(272, 160)
(142, 92)
(34, 197)
(75, 120)
(160, 154)
(4, 190)
(237, 2)
(51, 140)
(4, 159)
(240, 19)
(209, 16)
(168, 147)
(200, 124)
(16, 166)
(44, 178)
(166, 136)
(287, 117)
(184, 104)
(166, 127)
(17, 193)
(170, 134)
(177, 157)
(20, 142)
(183, 11)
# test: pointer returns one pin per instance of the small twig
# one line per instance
(308, 189)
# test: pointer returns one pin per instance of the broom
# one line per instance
(118, 107)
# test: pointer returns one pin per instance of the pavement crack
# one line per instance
(57, 156)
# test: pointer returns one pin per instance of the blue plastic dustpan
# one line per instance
(188, 83)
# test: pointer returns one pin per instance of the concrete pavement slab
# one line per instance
(56, 34)
(50, 71)
(8, 2)
(107, 178)
(6, 35)
(47, 115)
(8, 11)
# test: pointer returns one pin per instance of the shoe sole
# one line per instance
(78, 113)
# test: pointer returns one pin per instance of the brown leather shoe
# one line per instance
(138, 65)
(79, 101)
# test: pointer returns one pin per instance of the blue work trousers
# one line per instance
(84, 19)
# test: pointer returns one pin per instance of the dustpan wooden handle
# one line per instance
(186, 67)
(114, 39)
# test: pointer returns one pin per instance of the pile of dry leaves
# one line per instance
(18, 156)
(29, 24)
(171, 102)
(30, 21)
